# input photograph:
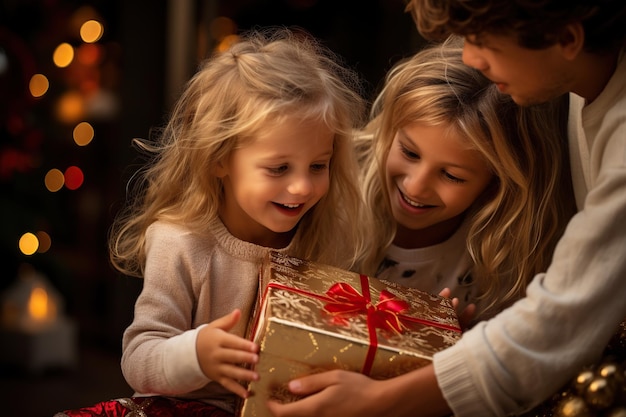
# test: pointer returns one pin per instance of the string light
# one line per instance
(91, 31)
(28, 243)
(63, 55)
(38, 85)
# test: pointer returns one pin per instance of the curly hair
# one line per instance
(515, 224)
(266, 76)
(535, 23)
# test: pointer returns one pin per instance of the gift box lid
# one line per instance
(330, 301)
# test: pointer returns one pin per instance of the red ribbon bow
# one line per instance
(343, 301)
(349, 302)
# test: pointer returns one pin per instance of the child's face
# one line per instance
(433, 178)
(271, 182)
(529, 76)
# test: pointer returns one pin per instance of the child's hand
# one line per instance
(465, 317)
(221, 354)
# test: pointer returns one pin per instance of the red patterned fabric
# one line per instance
(147, 407)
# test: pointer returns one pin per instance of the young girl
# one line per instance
(257, 155)
(465, 188)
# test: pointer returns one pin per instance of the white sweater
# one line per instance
(520, 357)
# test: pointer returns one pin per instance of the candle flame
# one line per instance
(39, 306)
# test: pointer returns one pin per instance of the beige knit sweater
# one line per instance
(190, 280)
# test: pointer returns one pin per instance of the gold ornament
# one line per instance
(600, 393)
(573, 407)
(582, 381)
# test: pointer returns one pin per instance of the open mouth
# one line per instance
(413, 203)
(289, 206)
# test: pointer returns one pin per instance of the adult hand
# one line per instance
(331, 394)
(223, 355)
(350, 394)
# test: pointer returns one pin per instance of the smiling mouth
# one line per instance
(413, 203)
(289, 206)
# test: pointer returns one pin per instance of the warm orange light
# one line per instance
(38, 85)
(63, 55)
(91, 31)
(83, 134)
(54, 180)
(226, 42)
(38, 305)
(70, 107)
(89, 54)
(28, 243)
(222, 26)
(45, 242)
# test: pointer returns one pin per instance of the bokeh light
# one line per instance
(70, 107)
(89, 54)
(38, 85)
(28, 243)
(54, 180)
(221, 27)
(63, 55)
(73, 178)
(226, 42)
(91, 31)
(83, 134)
(45, 242)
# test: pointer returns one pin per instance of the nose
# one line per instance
(418, 184)
(473, 58)
(300, 184)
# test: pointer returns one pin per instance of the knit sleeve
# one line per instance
(516, 360)
(159, 347)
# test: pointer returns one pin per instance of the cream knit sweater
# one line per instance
(190, 280)
(526, 353)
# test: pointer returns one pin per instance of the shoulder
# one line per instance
(176, 238)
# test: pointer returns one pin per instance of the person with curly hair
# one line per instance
(533, 51)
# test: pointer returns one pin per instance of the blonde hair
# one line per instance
(266, 76)
(515, 224)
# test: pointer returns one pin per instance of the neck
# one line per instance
(593, 74)
(429, 236)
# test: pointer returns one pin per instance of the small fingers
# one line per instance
(235, 388)
(445, 293)
(466, 317)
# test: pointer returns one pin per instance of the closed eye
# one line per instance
(452, 178)
(279, 170)
(409, 154)
(319, 167)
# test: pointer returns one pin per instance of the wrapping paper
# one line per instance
(312, 318)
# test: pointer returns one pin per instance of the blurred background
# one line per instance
(78, 81)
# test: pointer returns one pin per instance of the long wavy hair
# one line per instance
(266, 76)
(516, 222)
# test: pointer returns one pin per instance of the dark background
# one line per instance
(147, 54)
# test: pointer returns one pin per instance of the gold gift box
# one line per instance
(312, 317)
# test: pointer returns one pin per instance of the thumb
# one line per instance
(226, 322)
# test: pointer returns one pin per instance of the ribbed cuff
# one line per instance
(182, 369)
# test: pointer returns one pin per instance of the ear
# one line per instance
(572, 40)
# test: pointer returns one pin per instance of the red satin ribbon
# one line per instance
(344, 301)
